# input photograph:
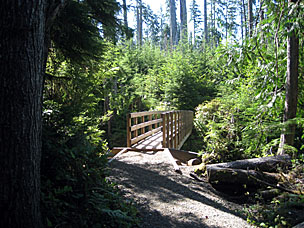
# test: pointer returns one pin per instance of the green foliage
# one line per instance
(76, 31)
(283, 211)
(219, 124)
(75, 191)
(251, 84)
(176, 80)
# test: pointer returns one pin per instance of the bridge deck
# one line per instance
(153, 142)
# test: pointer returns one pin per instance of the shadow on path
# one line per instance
(160, 182)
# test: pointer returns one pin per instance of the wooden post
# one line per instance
(171, 122)
(142, 129)
(150, 126)
(135, 123)
(179, 127)
(163, 116)
(175, 130)
(129, 130)
(168, 130)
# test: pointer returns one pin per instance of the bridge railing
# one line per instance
(141, 125)
(175, 126)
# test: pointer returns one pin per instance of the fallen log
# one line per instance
(269, 193)
(267, 164)
(239, 181)
(219, 175)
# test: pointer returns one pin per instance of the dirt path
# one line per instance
(167, 199)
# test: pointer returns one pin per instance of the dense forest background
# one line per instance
(233, 68)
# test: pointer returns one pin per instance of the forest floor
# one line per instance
(168, 199)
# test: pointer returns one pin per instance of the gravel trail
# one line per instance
(168, 199)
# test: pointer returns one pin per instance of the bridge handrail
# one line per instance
(175, 125)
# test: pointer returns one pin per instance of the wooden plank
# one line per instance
(164, 129)
(135, 123)
(129, 130)
(115, 150)
(176, 127)
(150, 120)
(118, 154)
(167, 130)
(139, 114)
(145, 124)
(146, 149)
(171, 127)
(142, 130)
(175, 130)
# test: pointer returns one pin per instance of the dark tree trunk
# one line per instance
(139, 22)
(250, 17)
(22, 37)
(291, 97)
(173, 25)
(205, 21)
(245, 18)
(242, 23)
(125, 18)
(183, 18)
(267, 164)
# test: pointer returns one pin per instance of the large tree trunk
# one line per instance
(239, 179)
(249, 174)
(242, 23)
(245, 18)
(291, 97)
(173, 25)
(22, 37)
(268, 164)
(183, 18)
(205, 21)
(250, 17)
(125, 18)
(139, 22)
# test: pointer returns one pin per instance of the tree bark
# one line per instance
(125, 18)
(250, 17)
(22, 38)
(205, 21)
(139, 22)
(268, 164)
(291, 96)
(245, 18)
(183, 18)
(239, 177)
(242, 23)
(173, 25)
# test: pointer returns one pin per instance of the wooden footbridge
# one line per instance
(157, 131)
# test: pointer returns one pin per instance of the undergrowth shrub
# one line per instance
(74, 185)
(219, 127)
(75, 191)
